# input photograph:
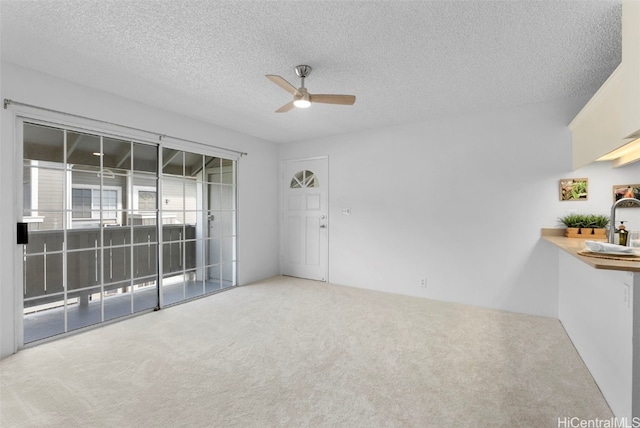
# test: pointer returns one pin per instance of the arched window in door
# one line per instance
(303, 179)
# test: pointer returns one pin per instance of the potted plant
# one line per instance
(573, 224)
(599, 224)
(585, 225)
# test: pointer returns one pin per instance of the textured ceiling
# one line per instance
(406, 61)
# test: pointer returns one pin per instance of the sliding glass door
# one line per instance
(199, 217)
(118, 227)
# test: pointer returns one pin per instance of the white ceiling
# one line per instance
(406, 61)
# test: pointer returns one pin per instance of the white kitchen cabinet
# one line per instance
(630, 120)
(596, 129)
(611, 118)
(600, 311)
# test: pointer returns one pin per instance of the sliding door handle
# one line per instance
(23, 233)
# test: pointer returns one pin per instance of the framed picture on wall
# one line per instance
(626, 191)
(574, 189)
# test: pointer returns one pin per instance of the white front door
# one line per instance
(304, 243)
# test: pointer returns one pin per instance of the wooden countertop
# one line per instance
(574, 245)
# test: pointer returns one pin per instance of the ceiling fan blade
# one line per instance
(333, 99)
(283, 84)
(285, 108)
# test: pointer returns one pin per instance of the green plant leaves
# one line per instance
(585, 220)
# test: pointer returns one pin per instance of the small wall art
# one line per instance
(626, 191)
(574, 189)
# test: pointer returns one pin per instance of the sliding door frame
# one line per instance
(60, 120)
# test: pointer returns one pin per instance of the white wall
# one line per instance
(257, 174)
(459, 202)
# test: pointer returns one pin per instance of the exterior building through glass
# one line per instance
(118, 227)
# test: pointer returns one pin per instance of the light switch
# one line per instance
(346, 211)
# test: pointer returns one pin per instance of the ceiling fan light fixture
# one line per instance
(302, 103)
(301, 99)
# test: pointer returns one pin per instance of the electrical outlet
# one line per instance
(423, 282)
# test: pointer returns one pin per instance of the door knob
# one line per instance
(323, 226)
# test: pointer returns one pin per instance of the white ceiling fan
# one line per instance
(301, 97)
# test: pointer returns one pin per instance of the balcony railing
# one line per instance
(87, 255)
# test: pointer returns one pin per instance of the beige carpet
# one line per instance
(292, 353)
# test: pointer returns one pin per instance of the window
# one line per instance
(85, 204)
(81, 203)
(146, 200)
(145, 206)
(303, 179)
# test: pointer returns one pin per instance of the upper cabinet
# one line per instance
(631, 69)
(606, 127)
(596, 129)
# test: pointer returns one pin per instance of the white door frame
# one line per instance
(18, 123)
(284, 183)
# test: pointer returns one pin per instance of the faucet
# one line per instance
(612, 219)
